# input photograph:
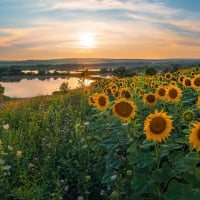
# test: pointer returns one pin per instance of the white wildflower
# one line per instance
(6, 126)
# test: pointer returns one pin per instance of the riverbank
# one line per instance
(94, 75)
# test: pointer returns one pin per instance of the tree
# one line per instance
(123, 72)
(42, 72)
(64, 87)
(1, 89)
(150, 71)
(1, 92)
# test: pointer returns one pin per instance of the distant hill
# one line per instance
(56, 61)
(74, 63)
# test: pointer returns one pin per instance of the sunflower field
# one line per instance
(151, 134)
(134, 138)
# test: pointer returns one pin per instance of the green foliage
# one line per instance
(123, 72)
(57, 156)
(150, 71)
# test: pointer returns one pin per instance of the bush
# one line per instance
(150, 71)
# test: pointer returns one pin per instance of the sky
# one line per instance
(137, 29)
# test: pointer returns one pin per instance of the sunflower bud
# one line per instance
(188, 115)
(87, 178)
(114, 194)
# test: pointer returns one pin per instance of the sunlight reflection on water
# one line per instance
(34, 87)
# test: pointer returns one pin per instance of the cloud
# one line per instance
(94, 5)
(155, 13)
(121, 27)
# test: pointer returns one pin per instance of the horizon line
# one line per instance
(49, 59)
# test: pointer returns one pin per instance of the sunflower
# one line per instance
(113, 89)
(114, 86)
(194, 137)
(196, 82)
(160, 78)
(86, 91)
(179, 71)
(192, 74)
(124, 92)
(92, 99)
(152, 84)
(173, 82)
(124, 109)
(150, 99)
(107, 90)
(145, 85)
(168, 75)
(161, 92)
(94, 84)
(117, 94)
(138, 91)
(181, 78)
(101, 101)
(141, 93)
(173, 94)
(132, 84)
(158, 126)
(187, 82)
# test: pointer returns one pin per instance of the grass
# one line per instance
(57, 155)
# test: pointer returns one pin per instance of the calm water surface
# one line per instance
(34, 87)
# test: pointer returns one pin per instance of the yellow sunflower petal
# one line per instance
(194, 137)
(196, 82)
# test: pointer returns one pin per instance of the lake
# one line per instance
(35, 87)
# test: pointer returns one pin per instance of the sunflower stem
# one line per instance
(157, 148)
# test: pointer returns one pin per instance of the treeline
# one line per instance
(119, 71)
(147, 70)
(9, 71)
(13, 71)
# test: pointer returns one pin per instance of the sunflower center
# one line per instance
(124, 109)
(108, 90)
(173, 93)
(150, 98)
(182, 78)
(168, 76)
(158, 125)
(102, 101)
(197, 81)
(161, 92)
(187, 82)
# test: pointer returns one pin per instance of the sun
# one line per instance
(87, 40)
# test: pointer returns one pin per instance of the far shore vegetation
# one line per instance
(15, 72)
